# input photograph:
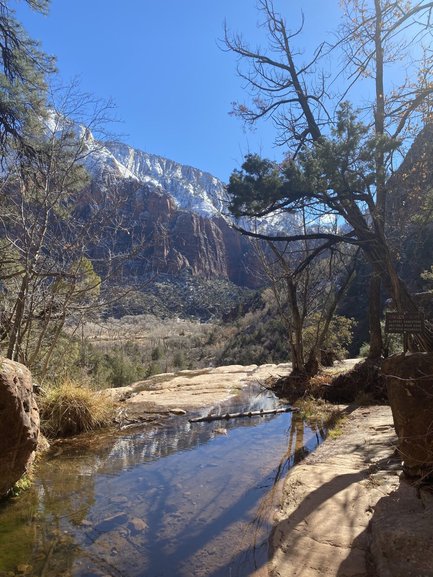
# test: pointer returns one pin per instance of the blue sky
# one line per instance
(160, 62)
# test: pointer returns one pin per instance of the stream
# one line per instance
(180, 500)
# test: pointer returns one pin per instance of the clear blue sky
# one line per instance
(160, 62)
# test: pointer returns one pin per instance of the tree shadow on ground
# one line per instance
(399, 535)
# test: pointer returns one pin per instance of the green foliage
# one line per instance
(261, 338)
(21, 485)
(393, 344)
(154, 369)
(364, 350)
(342, 163)
(338, 338)
(156, 354)
(117, 366)
(427, 275)
(24, 68)
(262, 185)
(124, 370)
(179, 360)
(80, 283)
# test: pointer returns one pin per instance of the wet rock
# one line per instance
(19, 423)
(86, 523)
(137, 525)
(177, 411)
(119, 499)
(24, 569)
(110, 523)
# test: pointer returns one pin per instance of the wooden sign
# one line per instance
(407, 323)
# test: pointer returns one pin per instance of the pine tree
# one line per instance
(23, 72)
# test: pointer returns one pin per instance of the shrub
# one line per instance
(69, 409)
(156, 354)
(124, 370)
(364, 350)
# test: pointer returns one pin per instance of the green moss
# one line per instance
(21, 485)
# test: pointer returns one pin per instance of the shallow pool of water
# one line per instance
(178, 501)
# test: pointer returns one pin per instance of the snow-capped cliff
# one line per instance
(190, 188)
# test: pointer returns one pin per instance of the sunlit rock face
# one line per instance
(19, 423)
(176, 212)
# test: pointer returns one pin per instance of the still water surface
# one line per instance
(184, 500)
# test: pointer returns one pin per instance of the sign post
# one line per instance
(404, 324)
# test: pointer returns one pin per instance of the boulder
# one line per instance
(19, 423)
(409, 382)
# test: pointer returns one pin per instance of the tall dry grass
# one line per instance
(69, 409)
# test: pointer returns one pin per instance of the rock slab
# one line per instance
(328, 501)
(401, 531)
(19, 423)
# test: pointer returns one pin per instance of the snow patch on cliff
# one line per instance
(191, 188)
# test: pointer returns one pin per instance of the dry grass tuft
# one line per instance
(69, 409)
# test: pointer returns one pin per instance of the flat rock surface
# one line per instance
(192, 389)
(402, 533)
(328, 501)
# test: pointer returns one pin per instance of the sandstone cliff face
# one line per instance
(174, 211)
(409, 184)
(408, 189)
(171, 240)
(19, 423)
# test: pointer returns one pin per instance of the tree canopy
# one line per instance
(339, 156)
(23, 71)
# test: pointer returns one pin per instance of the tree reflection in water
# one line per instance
(176, 501)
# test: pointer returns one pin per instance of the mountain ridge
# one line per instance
(178, 209)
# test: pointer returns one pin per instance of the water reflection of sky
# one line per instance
(176, 501)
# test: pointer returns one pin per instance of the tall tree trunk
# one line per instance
(15, 336)
(374, 312)
(296, 339)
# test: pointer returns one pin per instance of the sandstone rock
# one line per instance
(409, 381)
(177, 411)
(112, 522)
(321, 528)
(137, 525)
(180, 240)
(19, 423)
(402, 542)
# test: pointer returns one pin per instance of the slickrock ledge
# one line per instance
(347, 512)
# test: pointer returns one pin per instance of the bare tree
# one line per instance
(50, 225)
(306, 290)
(338, 164)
